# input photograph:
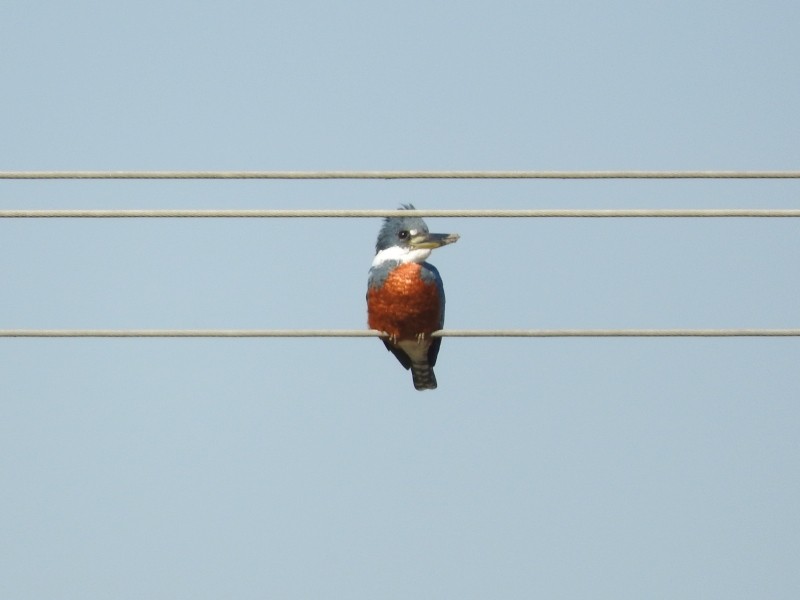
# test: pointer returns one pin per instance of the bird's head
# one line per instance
(407, 239)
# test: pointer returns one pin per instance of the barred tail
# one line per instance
(422, 374)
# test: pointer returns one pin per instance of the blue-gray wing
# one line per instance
(431, 273)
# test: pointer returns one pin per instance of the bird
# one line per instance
(405, 295)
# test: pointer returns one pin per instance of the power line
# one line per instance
(399, 174)
(348, 213)
(362, 333)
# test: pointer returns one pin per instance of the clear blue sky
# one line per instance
(578, 468)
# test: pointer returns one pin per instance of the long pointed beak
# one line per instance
(429, 241)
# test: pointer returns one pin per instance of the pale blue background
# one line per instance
(578, 468)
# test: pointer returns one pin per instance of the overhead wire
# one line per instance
(367, 213)
(425, 174)
(362, 333)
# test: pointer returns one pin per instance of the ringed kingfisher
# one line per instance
(405, 296)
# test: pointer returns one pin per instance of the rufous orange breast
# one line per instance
(405, 306)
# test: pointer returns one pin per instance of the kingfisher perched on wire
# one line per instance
(405, 296)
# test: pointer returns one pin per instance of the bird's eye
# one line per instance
(403, 235)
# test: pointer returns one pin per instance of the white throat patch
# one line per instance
(402, 255)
